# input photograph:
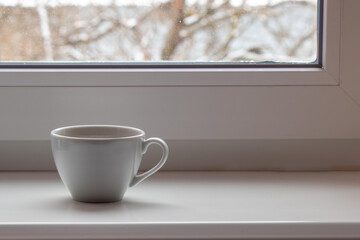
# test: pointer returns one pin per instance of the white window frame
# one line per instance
(216, 107)
(327, 75)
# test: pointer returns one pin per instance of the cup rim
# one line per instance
(55, 133)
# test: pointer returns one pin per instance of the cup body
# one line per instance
(97, 162)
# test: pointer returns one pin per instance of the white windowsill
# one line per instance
(185, 205)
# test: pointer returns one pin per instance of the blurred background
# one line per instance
(159, 30)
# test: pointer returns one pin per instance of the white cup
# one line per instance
(97, 163)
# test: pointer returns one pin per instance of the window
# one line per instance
(176, 73)
(154, 31)
(218, 105)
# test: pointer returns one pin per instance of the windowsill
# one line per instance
(185, 205)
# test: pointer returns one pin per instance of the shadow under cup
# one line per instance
(97, 163)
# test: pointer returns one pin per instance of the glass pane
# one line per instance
(104, 31)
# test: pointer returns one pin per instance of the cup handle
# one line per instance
(139, 178)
